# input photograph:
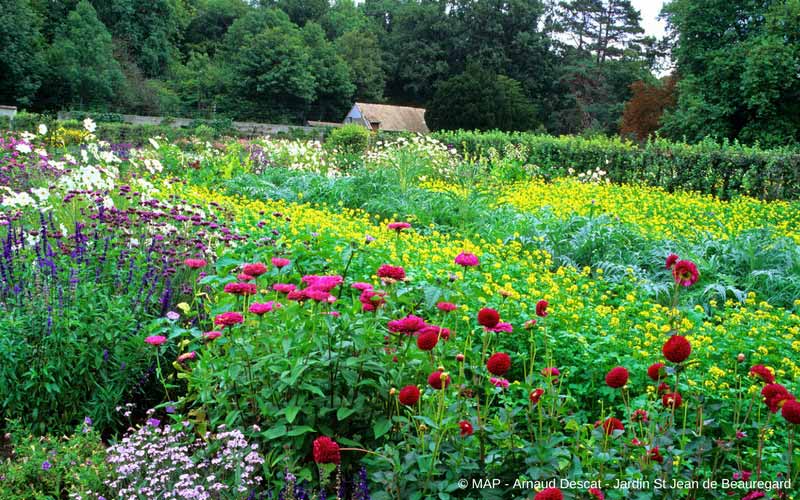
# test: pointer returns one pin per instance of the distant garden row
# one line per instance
(724, 170)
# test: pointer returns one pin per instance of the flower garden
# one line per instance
(286, 319)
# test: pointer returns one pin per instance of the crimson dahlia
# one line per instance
(498, 363)
(677, 349)
(488, 317)
(549, 494)
(617, 377)
(326, 451)
(409, 395)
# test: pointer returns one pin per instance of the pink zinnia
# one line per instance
(155, 340)
(361, 286)
(371, 299)
(229, 318)
(501, 327)
(466, 259)
(685, 273)
(671, 260)
(324, 283)
(280, 262)
(283, 287)
(195, 263)
(398, 226)
(244, 277)
(264, 308)
(214, 334)
(241, 288)
(499, 382)
(391, 272)
(187, 356)
(407, 325)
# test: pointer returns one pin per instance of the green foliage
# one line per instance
(334, 90)
(21, 45)
(82, 68)
(724, 170)
(53, 467)
(348, 139)
(363, 56)
(479, 99)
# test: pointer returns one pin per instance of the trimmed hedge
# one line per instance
(724, 170)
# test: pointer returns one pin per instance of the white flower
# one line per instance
(153, 143)
(42, 129)
(23, 148)
(42, 193)
(89, 125)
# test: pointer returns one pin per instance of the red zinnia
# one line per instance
(256, 269)
(407, 325)
(326, 451)
(677, 349)
(610, 425)
(763, 373)
(791, 412)
(671, 260)
(438, 379)
(541, 308)
(466, 428)
(685, 273)
(488, 317)
(672, 400)
(536, 395)
(446, 306)
(409, 395)
(441, 332)
(617, 377)
(498, 363)
(549, 494)
(427, 340)
(656, 371)
(391, 272)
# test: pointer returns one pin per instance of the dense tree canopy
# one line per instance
(572, 65)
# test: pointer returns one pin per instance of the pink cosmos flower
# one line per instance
(155, 340)
(466, 259)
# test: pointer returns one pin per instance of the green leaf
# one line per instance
(381, 427)
(275, 432)
(291, 413)
(299, 430)
(343, 413)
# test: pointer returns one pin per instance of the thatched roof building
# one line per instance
(387, 117)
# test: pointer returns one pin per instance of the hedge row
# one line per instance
(724, 170)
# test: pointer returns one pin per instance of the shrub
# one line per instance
(349, 139)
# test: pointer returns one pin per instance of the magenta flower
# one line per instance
(280, 262)
(264, 308)
(155, 340)
(499, 382)
(284, 287)
(467, 259)
(361, 286)
(229, 319)
(398, 226)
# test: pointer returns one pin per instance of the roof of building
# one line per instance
(397, 118)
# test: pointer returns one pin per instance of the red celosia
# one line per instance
(466, 259)
(466, 428)
(685, 273)
(763, 373)
(617, 377)
(536, 395)
(241, 288)
(488, 317)
(597, 493)
(549, 494)
(446, 306)
(671, 260)
(655, 455)
(656, 371)
(498, 363)
(677, 349)
(791, 412)
(409, 395)
(195, 263)
(391, 272)
(438, 379)
(280, 262)
(427, 340)
(228, 318)
(256, 269)
(326, 451)
(541, 308)
(672, 400)
(610, 425)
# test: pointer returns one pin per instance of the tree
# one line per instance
(738, 64)
(480, 99)
(21, 46)
(206, 29)
(82, 68)
(363, 55)
(270, 74)
(344, 16)
(334, 90)
(642, 116)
